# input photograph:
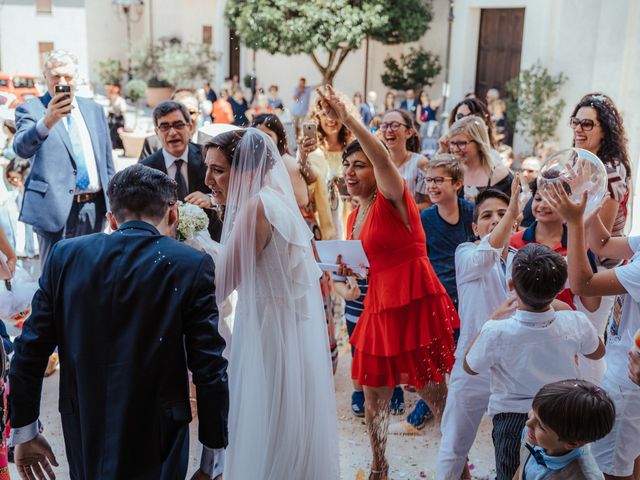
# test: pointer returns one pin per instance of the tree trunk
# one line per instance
(329, 71)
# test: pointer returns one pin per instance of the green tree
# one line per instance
(533, 105)
(326, 30)
(416, 70)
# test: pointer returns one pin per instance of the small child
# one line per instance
(446, 224)
(534, 347)
(549, 229)
(354, 290)
(564, 418)
(617, 452)
(481, 274)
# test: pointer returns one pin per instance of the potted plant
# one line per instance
(132, 141)
(110, 73)
(144, 64)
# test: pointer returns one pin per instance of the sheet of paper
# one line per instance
(352, 255)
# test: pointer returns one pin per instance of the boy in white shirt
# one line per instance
(617, 452)
(481, 278)
(534, 347)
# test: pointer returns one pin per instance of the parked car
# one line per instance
(22, 86)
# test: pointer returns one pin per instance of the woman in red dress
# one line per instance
(405, 333)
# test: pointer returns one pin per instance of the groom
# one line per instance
(129, 312)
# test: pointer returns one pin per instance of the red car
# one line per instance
(22, 86)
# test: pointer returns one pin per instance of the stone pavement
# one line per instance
(411, 458)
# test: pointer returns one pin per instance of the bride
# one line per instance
(282, 419)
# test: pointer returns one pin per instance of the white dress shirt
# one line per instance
(169, 163)
(87, 146)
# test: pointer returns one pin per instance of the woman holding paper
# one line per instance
(405, 333)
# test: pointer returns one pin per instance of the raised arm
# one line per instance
(388, 178)
(602, 243)
(582, 280)
(500, 235)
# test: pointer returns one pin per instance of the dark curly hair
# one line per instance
(273, 123)
(479, 109)
(413, 142)
(613, 148)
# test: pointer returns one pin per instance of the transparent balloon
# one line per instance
(579, 171)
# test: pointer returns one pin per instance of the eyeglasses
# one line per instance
(165, 127)
(436, 180)
(393, 126)
(587, 124)
(462, 146)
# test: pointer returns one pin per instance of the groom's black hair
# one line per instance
(140, 191)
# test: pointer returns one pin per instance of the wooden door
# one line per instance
(234, 55)
(499, 48)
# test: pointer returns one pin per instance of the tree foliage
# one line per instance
(172, 63)
(532, 104)
(416, 70)
(326, 30)
(406, 21)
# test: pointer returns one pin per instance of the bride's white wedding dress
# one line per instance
(282, 419)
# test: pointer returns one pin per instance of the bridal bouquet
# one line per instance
(192, 219)
(192, 230)
(15, 296)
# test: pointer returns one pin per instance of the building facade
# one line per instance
(595, 43)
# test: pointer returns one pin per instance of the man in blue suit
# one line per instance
(131, 313)
(67, 139)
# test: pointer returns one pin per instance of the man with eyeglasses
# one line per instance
(182, 159)
(185, 96)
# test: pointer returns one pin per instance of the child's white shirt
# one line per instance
(527, 351)
(482, 287)
(623, 327)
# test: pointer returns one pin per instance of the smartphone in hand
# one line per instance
(309, 130)
(63, 90)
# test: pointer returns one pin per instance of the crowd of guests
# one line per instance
(469, 301)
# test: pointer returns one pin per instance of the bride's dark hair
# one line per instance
(228, 142)
(225, 142)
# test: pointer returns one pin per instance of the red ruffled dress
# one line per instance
(405, 333)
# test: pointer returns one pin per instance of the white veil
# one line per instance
(282, 421)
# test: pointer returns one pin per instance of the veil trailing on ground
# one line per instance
(282, 421)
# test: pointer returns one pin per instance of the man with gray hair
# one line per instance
(67, 139)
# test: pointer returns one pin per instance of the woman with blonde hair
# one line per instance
(326, 160)
(468, 139)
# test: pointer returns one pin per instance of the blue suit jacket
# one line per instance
(51, 184)
(124, 352)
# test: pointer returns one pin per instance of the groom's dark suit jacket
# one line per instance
(197, 171)
(129, 312)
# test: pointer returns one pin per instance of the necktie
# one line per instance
(82, 177)
(536, 454)
(179, 178)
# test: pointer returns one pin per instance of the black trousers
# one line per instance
(84, 218)
(507, 434)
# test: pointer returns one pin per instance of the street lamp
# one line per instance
(446, 87)
(131, 11)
